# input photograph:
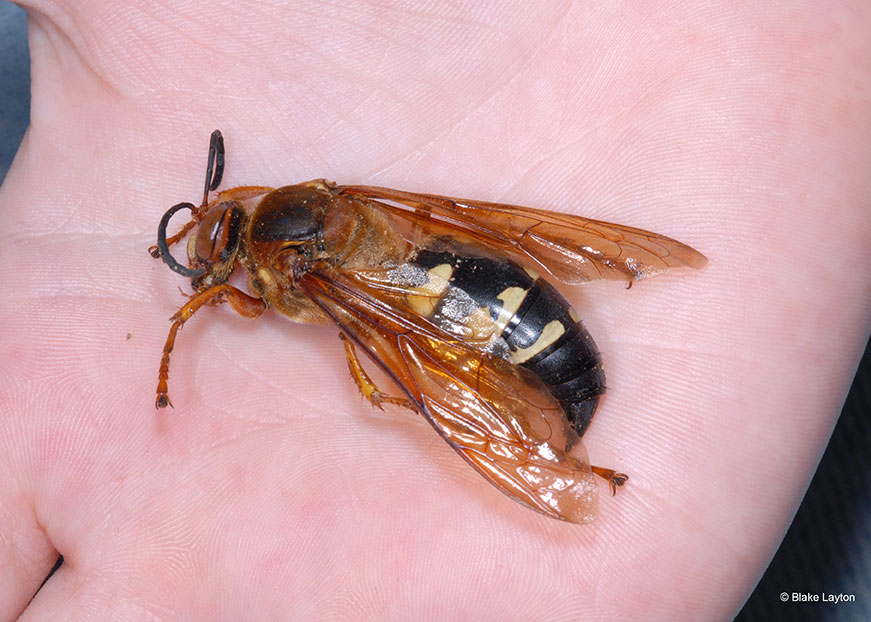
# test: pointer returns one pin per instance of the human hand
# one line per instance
(271, 490)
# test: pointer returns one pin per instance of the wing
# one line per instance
(569, 248)
(500, 418)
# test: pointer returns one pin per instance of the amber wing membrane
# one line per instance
(497, 416)
(570, 248)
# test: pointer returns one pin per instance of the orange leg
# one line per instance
(242, 303)
(364, 382)
(241, 193)
(614, 478)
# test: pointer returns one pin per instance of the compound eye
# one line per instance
(218, 233)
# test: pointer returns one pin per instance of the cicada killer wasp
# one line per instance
(445, 296)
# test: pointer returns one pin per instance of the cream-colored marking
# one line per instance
(535, 275)
(425, 297)
(480, 325)
(264, 276)
(551, 332)
(512, 298)
(574, 314)
(445, 271)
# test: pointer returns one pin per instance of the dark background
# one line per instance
(828, 547)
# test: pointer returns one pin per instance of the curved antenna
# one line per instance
(163, 247)
(215, 166)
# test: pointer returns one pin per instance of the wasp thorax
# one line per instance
(290, 214)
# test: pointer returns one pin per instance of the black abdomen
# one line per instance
(535, 326)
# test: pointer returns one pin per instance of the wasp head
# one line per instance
(212, 248)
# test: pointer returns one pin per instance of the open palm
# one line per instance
(271, 490)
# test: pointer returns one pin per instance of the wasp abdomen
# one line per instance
(520, 317)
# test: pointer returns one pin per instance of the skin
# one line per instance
(271, 490)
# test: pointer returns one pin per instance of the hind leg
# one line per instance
(614, 478)
(364, 382)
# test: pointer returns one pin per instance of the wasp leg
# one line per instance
(614, 478)
(242, 193)
(241, 303)
(364, 382)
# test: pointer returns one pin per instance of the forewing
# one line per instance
(497, 416)
(570, 248)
